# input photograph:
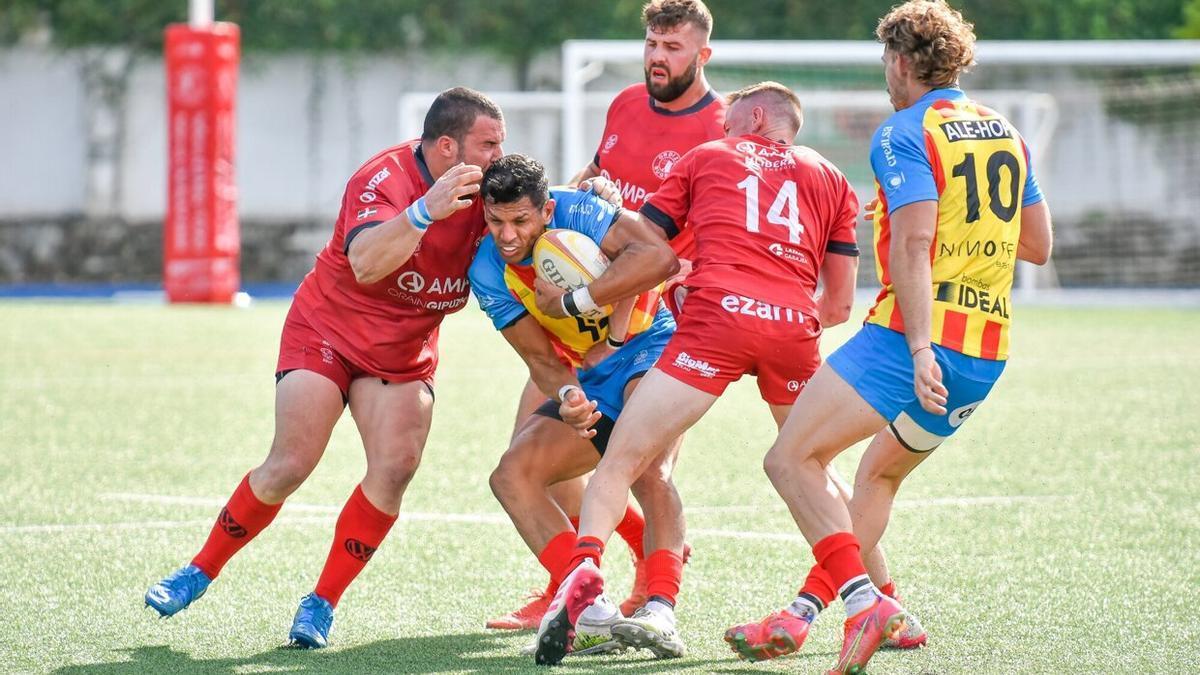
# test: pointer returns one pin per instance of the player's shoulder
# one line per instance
(632, 101)
(717, 146)
(487, 265)
(386, 170)
(811, 157)
(398, 156)
(582, 211)
(902, 122)
(634, 93)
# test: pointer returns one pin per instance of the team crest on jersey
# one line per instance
(610, 142)
(663, 163)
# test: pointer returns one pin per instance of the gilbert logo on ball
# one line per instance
(569, 260)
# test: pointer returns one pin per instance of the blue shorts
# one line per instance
(605, 384)
(877, 364)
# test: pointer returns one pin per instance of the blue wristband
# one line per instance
(418, 215)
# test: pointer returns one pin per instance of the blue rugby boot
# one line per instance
(314, 618)
(173, 594)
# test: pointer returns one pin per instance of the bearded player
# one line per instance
(958, 205)
(769, 218)
(362, 331)
(566, 435)
(648, 128)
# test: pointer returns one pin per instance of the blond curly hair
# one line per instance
(934, 35)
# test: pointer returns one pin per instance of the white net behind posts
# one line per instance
(1114, 127)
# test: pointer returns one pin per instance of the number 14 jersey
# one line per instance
(764, 215)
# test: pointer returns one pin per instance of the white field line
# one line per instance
(741, 534)
(142, 525)
(900, 503)
(328, 512)
(289, 507)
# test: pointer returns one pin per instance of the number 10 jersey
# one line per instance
(969, 159)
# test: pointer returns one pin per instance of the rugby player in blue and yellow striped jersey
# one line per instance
(958, 205)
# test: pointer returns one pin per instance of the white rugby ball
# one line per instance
(569, 259)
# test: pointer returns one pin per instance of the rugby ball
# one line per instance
(569, 259)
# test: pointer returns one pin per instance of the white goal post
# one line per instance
(584, 60)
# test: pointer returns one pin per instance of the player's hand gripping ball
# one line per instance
(567, 260)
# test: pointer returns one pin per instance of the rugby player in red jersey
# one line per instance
(769, 218)
(362, 331)
(649, 127)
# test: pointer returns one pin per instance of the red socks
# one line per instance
(819, 586)
(586, 548)
(889, 589)
(632, 529)
(664, 571)
(838, 554)
(556, 556)
(360, 530)
(243, 517)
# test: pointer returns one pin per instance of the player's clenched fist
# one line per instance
(927, 381)
(453, 191)
(579, 412)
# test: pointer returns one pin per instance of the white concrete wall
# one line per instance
(292, 164)
(42, 156)
(287, 167)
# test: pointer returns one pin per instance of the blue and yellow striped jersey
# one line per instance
(506, 292)
(973, 163)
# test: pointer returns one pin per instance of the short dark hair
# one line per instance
(453, 113)
(515, 176)
(663, 15)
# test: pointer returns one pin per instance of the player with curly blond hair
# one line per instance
(957, 206)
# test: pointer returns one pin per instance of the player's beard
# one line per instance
(675, 86)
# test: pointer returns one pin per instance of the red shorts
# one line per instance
(722, 336)
(301, 347)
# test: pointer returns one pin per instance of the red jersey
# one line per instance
(764, 214)
(642, 142)
(388, 326)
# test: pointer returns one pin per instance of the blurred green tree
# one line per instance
(1191, 21)
(518, 30)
